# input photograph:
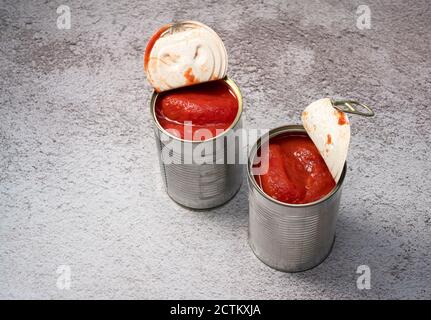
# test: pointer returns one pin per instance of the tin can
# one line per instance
(290, 237)
(209, 182)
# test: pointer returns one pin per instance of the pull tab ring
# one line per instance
(348, 107)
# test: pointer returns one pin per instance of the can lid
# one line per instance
(182, 54)
(329, 129)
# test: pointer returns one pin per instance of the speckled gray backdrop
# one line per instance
(79, 179)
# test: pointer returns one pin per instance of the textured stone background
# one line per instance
(79, 179)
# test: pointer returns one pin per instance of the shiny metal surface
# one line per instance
(197, 185)
(291, 237)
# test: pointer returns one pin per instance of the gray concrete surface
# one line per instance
(79, 180)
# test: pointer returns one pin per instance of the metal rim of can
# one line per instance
(252, 181)
(232, 85)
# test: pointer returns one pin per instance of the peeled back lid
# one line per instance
(182, 54)
(329, 129)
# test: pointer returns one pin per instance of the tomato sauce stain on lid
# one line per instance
(190, 78)
(342, 119)
(151, 43)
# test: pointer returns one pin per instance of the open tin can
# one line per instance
(290, 237)
(206, 181)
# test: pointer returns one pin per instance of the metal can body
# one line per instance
(199, 184)
(291, 237)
